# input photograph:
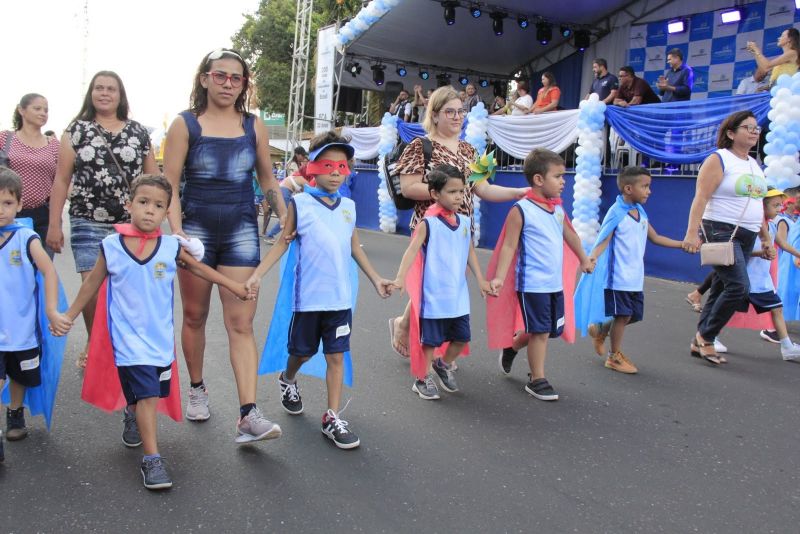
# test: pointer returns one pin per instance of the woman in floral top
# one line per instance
(443, 120)
(101, 152)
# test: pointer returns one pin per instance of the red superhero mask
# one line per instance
(328, 166)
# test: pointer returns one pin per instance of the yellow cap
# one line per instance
(774, 193)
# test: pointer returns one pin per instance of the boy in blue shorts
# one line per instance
(324, 223)
(536, 231)
(619, 253)
(21, 255)
(140, 265)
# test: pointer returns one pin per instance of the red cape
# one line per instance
(752, 320)
(503, 314)
(101, 387)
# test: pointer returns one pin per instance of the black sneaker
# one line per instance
(290, 396)
(2, 450)
(155, 475)
(336, 430)
(506, 358)
(770, 335)
(542, 390)
(130, 431)
(15, 424)
(446, 376)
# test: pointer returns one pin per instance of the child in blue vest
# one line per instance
(440, 250)
(620, 271)
(21, 256)
(536, 232)
(324, 223)
(140, 265)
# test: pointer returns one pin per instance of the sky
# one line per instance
(154, 45)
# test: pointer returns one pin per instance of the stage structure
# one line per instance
(297, 89)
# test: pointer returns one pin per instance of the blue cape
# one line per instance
(789, 277)
(41, 399)
(590, 293)
(273, 358)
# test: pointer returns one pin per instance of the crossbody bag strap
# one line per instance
(111, 152)
(741, 218)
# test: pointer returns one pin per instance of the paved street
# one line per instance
(679, 447)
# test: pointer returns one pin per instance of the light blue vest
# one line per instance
(541, 249)
(322, 273)
(444, 280)
(626, 254)
(19, 328)
(140, 300)
(758, 268)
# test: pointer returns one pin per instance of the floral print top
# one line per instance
(99, 192)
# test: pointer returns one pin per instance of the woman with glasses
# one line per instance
(216, 145)
(443, 121)
(728, 205)
(101, 152)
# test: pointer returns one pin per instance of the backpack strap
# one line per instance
(427, 151)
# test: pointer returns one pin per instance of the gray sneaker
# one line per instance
(197, 406)
(130, 432)
(791, 354)
(255, 427)
(155, 475)
(446, 376)
(426, 389)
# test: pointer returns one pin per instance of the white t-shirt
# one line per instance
(739, 194)
(526, 101)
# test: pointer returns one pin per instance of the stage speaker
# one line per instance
(349, 100)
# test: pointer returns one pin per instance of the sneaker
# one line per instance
(290, 396)
(719, 347)
(255, 427)
(130, 431)
(506, 358)
(769, 335)
(15, 424)
(426, 389)
(154, 474)
(2, 449)
(792, 353)
(336, 430)
(541, 389)
(598, 334)
(620, 363)
(446, 376)
(197, 406)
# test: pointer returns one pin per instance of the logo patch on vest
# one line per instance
(347, 215)
(160, 270)
(15, 258)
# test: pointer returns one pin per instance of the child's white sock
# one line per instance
(786, 343)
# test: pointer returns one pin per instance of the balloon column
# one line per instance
(365, 18)
(783, 139)
(475, 134)
(586, 203)
(387, 213)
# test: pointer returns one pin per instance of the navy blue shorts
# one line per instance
(435, 332)
(307, 329)
(543, 313)
(141, 382)
(229, 232)
(22, 366)
(625, 304)
(764, 302)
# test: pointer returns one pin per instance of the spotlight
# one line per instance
(497, 22)
(566, 31)
(483, 82)
(733, 15)
(544, 32)
(582, 39)
(463, 80)
(679, 26)
(450, 12)
(401, 71)
(353, 68)
(424, 74)
(378, 74)
(475, 11)
(522, 21)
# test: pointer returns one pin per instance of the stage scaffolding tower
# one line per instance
(297, 89)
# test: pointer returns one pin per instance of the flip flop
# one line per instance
(391, 339)
(698, 353)
(696, 306)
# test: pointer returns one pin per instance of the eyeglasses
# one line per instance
(452, 113)
(219, 52)
(751, 129)
(220, 78)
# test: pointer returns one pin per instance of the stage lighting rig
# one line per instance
(483, 82)
(378, 76)
(497, 22)
(463, 80)
(450, 12)
(582, 39)
(679, 26)
(522, 20)
(544, 32)
(566, 31)
(401, 71)
(424, 74)
(475, 11)
(353, 68)
(730, 16)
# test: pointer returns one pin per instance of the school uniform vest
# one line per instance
(758, 268)
(140, 300)
(322, 273)
(626, 254)
(444, 281)
(541, 249)
(19, 328)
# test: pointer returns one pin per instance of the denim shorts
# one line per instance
(85, 238)
(229, 232)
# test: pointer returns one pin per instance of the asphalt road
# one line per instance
(680, 447)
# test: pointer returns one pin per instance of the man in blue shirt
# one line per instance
(605, 84)
(677, 84)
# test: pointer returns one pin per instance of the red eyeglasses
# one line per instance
(221, 77)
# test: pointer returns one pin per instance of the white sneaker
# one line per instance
(792, 353)
(197, 406)
(719, 347)
(255, 427)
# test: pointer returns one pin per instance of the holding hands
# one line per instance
(60, 324)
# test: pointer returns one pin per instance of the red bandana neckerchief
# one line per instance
(550, 202)
(129, 230)
(436, 210)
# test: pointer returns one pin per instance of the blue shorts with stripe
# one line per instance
(543, 313)
(625, 304)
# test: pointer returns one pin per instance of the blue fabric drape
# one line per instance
(681, 132)
(411, 130)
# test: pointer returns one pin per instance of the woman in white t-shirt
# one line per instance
(727, 202)
(523, 104)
